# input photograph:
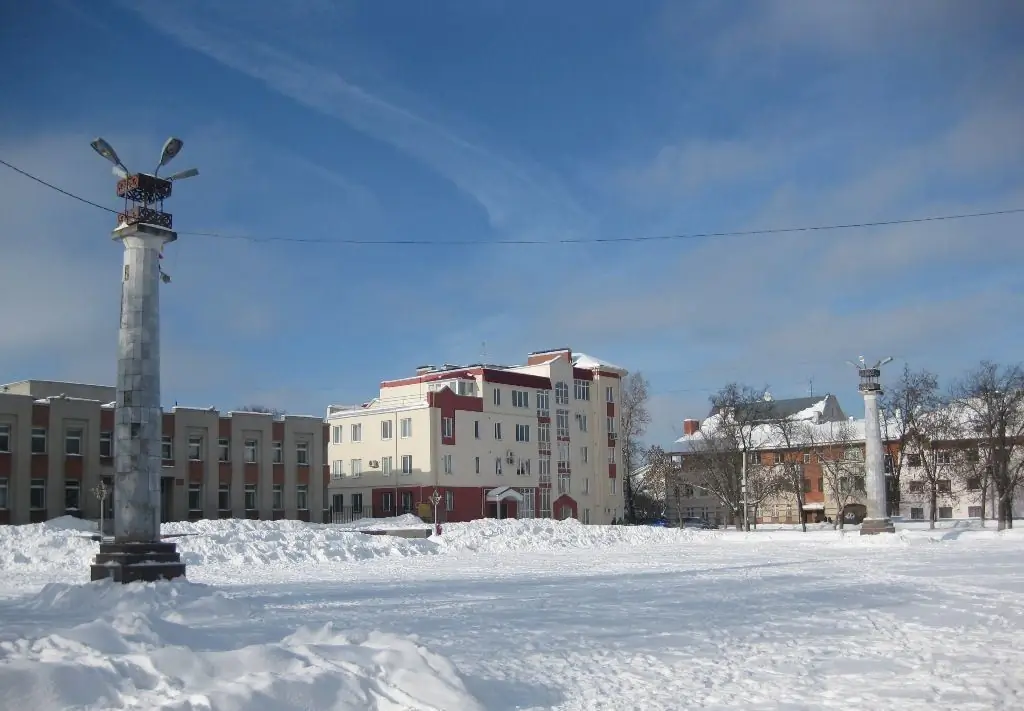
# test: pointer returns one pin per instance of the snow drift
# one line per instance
(150, 646)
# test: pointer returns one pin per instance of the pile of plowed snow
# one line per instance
(102, 646)
(492, 535)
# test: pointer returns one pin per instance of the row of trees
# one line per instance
(966, 439)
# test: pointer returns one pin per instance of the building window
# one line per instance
(5, 438)
(4, 493)
(581, 420)
(223, 449)
(476, 465)
(195, 447)
(406, 502)
(586, 485)
(106, 445)
(195, 496)
(446, 463)
(224, 496)
(357, 468)
(544, 470)
(753, 458)
(522, 433)
(613, 486)
(913, 460)
(561, 394)
(337, 469)
(356, 433)
(778, 457)
(407, 464)
(887, 463)
(387, 502)
(582, 389)
(916, 487)
(523, 468)
(38, 440)
(386, 465)
(520, 398)
(302, 497)
(251, 448)
(943, 456)
(302, 454)
(277, 494)
(972, 511)
(609, 394)
(584, 454)
(447, 426)
(405, 427)
(336, 434)
(945, 512)
(73, 442)
(387, 429)
(72, 495)
(586, 516)
(853, 454)
(942, 486)
(278, 450)
(917, 514)
(497, 397)
(37, 495)
(357, 503)
(466, 388)
(974, 483)
(250, 498)
(807, 457)
(611, 426)
(166, 449)
(497, 466)
(544, 434)
(449, 500)
(476, 428)
(545, 503)
(543, 403)
(563, 458)
(526, 508)
(562, 424)
(497, 430)
(563, 484)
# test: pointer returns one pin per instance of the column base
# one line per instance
(143, 562)
(874, 526)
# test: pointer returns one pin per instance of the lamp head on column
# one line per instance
(869, 375)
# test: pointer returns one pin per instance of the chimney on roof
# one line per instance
(691, 427)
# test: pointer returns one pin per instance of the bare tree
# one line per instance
(991, 398)
(918, 422)
(716, 459)
(836, 448)
(787, 436)
(633, 420)
(261, 409)
(650, 484)
(971, 466)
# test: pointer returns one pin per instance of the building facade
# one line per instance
(535, 440)
(56, 446)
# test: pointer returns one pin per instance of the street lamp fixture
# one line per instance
(108, 152)
(172, 146)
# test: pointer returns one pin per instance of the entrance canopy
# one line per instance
(814, 506)
(504, 493)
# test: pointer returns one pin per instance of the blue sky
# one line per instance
(501, 120)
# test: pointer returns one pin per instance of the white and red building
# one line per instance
(535, 440)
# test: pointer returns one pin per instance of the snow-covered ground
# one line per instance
(505, 615)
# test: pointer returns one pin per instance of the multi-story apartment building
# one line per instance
(56, 447)
(535, 440)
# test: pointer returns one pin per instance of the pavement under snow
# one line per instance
(505, 615)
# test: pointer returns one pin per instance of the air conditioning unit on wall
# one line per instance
(510, 456)
(374, 464)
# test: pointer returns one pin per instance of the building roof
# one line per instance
(582, 360)
(770, 410)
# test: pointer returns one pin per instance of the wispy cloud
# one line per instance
(515, 198)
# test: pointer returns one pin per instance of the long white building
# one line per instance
(535, 440)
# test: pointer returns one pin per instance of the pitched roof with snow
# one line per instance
(582, 360)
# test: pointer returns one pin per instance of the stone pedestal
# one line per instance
(874, 526)
(130, 562)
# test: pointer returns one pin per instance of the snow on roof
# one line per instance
(766, 436)
(582, 360)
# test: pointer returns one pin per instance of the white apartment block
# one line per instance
(534, 440)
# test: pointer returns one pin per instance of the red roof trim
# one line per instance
(522, 380)
(582, 374)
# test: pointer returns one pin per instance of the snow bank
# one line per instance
(146, 646)
(492, 535)
(383, 524)
(244, 543)
(58, 545)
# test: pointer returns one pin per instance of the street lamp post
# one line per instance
(100, 491)
(877, 519)
(143, 228)
(435, 499)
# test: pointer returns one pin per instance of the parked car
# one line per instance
(699, 523)
(660, 522)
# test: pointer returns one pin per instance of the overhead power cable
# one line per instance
(563, 240)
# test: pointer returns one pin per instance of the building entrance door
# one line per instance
(166, 498)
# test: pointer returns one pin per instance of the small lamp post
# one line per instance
(435, 499)
(100, 491)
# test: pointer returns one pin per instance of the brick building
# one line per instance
(56, 447)
(535, 440)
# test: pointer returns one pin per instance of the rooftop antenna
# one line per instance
(810, 386)
(483, 351)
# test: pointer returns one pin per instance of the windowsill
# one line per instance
(40, 453)
(191, 459)
(69, 454)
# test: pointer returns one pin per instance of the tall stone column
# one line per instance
(877, 520)
(137, 419)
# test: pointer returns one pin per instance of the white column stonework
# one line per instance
(874, 466)
(137, 420)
